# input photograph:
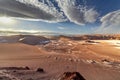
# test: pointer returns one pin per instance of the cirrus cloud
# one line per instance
(110, 23)
(78, 14)
(22, 9)
(48, 10)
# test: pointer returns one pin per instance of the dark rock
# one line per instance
(27, 68)
(14, 68)
(4, 78)
(39, 70)
(72, 76)
(30, 79)
(89, 41)
(105, 60)
(14, 71)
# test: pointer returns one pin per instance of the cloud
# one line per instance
(90, 15)
(48, 10)
(61, 28)
(79, 14)
(28, 9)
(110, 23)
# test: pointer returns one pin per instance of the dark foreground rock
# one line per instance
(40, 70)
(4, 78)
(72, 76)
(14, 68)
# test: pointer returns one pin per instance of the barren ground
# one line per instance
(94, 61)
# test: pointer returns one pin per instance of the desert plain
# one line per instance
(21, 57)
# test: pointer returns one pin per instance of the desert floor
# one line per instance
(94, 61)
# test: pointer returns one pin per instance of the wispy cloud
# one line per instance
(79, 14)
(110, 23)
(30, 10)
(48, 10)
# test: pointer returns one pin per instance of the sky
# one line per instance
(61, 16)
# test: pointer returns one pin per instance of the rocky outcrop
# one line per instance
(40, 70)
(34, 40)
(72, 76)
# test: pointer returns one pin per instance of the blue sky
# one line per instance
(70, 17)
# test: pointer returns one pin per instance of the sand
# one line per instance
(100, 61)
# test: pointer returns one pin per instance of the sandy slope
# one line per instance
(55, 64)
(106, 49)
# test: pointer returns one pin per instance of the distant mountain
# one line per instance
(26, 39)
(33, 40)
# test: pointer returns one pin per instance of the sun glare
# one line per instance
(6, 20)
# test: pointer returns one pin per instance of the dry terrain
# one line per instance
(94, 60)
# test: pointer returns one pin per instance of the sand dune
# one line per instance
(100, 61)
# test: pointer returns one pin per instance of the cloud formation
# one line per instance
(48, 10)
(79, 14)
(28, 9)
(110, 23)
(61, 28)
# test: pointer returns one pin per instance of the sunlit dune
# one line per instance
(39, 56)
(115, 43)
